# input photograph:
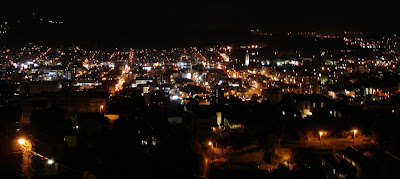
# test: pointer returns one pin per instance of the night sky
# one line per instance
(189, 23)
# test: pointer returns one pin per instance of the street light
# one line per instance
(212, 151)
(354, 133)
(22, 141)
(101, 108)
(320, 134)
(50, 161)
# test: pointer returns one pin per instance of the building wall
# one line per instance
(85, 104)
(45, 87)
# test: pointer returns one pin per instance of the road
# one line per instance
(333, 143)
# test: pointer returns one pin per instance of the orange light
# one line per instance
(210, 143)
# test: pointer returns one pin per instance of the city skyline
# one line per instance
(199, 90)
(152, 25)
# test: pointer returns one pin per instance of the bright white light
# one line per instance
(189, 76)
(147, 68)
(50, 161)
(175, 97)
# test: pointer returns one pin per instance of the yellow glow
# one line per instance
(354, 133)
(321, 133)
(121, 81)
(210, 143)
(22, 141)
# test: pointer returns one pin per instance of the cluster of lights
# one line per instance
(119, 86)
(224, 56)
(251, 46)
(51, 21)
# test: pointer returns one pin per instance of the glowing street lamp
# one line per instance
(320, 134)
(101, 108)
(212, 151)
(22, 141)
(50, 161)
(354, 133)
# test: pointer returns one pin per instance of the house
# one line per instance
(335, 166)
(357, 159)
(313, 105)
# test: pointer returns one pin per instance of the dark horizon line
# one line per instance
(146, 40)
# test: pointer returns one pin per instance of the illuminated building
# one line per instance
(312, 89)
(213, 76)
(247, 58)
(219, 118)
(142, 81)
(218, 95)
(87, 82)
(131, 56)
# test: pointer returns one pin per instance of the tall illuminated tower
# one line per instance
(247, 58)
(131, 56)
